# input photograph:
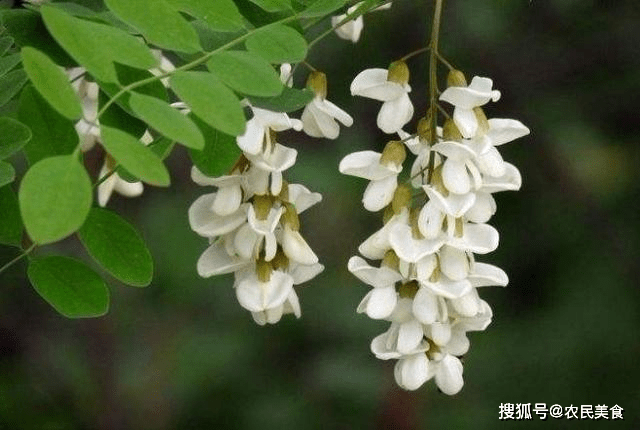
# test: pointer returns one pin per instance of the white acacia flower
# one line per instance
(320, 115)
(352, 29)
(380, 302)
(464, 99)
(259, 296)
(397, 108)
(229, 195)
(411, 371)
(251, 236)
(256, 137)
(383, 177)
(447, 370)
(114, 183)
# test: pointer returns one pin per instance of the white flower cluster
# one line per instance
(427, 281)
(252, 219)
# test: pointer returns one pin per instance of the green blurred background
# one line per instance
(182, 354)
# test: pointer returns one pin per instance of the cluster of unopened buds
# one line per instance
(435, 222)
(252, 220)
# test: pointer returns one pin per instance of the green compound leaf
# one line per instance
(167, 120)
(52, 134)
(9, 62)
(322, 8)
(7, 173)
(139, 160)
(117, 246)
(47, 77)
(97, 46)
(55, 198)
(273, 5)
(5, 44)
(11, 225)
(278, 44)
(220, 15)
(72, 288)
(246, 73)
(290, 100)
(211, 100)
(160, 23)
(13, 136)
(11, 84)
(220, 150)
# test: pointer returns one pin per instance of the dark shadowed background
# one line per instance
(183, 354)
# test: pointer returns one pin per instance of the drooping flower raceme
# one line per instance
(427, 279)
(252, 222)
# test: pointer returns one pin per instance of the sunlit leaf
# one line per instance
(322, 8)
(13, 136)
(220, 15)
(278, 44)
(161, 24)
(70, 286)
(55, 198)
(96, 46)
(117, 246)
(211, 100)
(246, 73)
(134, 156)
(48, 78)
(167, 120)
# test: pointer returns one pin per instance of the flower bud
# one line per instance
(317, 82)
(450, 131)
(390, 260)
(290, 217)
(398, 72)
(261, 206)
(483, 122)
(425, 126)
(456, 78)
(393, 154)
(401, 198)
(387, 214)
(263, 271)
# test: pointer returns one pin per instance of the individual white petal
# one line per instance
(296, 249)
(412, 371)
(409, 336)
(478, 322)
(302, 198)
(105, 189)
(228, 200)
(448, 375)
(484, 275)
(302, 273)
(491, 163)
(376, 277)
(216, 261)
(276, 183)
(394, 114)
(511, 180)
(455, 205)
(260, 318)
(466, 121)
(207, 223)
(430, 220)
(318, 124)
(285, 74)
(465, 97)
(127, 189)
(256, 181)
(252, 139)
(483, 208)
(455, 177)
(502, 131)
(246, 241)
(425, 266)
(380, 349)
(270, 246)
(408, 248)
(454, 263)
(279, 159)
(267, 225)
(425, 306)
(450, 289)
(277, 289)
(335, 112)
(365, 164)
(440, 333)
(479, 238)
(350, 30)
(372, 83)
(379, 193)
(292, 304)
(458, 344)
(467, 305)
(381, 302)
